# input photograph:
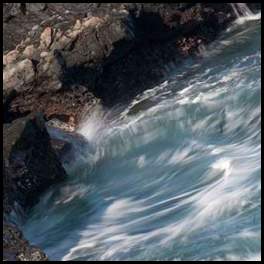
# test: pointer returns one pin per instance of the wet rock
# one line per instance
(17, 248)
(50, 69)
(61, 148)
(66, 126)
(30, 166)
(32, 163)
(70, 146)
(71, 102)
(8, 190)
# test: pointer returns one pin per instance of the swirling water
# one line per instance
(175, 175)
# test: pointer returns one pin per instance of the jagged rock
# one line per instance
(17, 248)
(106, 51)
(115, 52)
(32, 164)
(69, 126)
(18, 76)
(10, 57)
(62, 141)
(29, 51)
(46, 38)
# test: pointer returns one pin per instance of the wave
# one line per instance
(176, 174)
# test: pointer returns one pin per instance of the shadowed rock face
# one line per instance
(16, 248)
(30, 159)
(30, 166)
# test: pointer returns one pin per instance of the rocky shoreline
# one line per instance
(61, 60)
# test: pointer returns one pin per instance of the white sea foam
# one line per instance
(177, 179)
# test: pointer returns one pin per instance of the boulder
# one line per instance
(30, 166)
(30, 160)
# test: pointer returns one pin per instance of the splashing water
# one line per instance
(243, 13)
(241, 10)
(176, 175)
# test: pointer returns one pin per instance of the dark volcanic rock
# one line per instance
(16, 248)
(30, 166)
(69, 146)
(61, 147)
(8, 190)
(165, 34)
(31, 162)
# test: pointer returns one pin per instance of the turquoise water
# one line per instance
(175, 175)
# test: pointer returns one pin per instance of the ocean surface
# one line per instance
(175, 175)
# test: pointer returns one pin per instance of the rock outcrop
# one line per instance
(32, 163)
(77, 55)
(30, 166)
(16, 248)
